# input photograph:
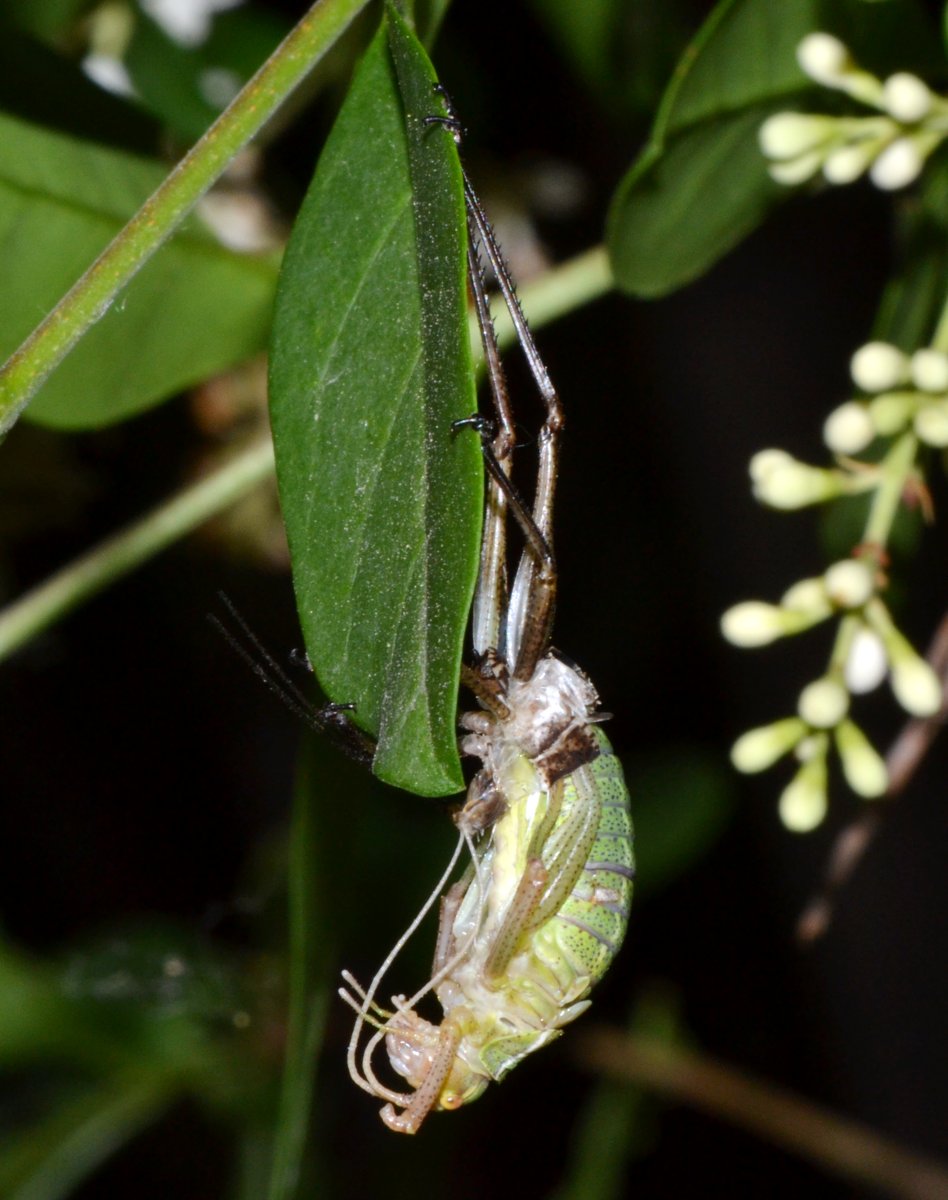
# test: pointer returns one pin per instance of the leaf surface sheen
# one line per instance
(370, 366)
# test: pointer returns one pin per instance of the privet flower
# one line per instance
(891, 146)
(905, 391)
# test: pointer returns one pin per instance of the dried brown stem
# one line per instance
(902, 761)
(839, 1144)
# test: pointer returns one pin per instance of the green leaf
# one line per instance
(914, 298)
(701, 184)
(684, 800)
(311, 955)
(370, 365)
(196, 308)
(600, 38)
(48, 1159)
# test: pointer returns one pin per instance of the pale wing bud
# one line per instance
(931, 425)
(849, 428)
(878, 366)
(760, 748)
(866, 663)
(899, 164)
(849, 583)
(862, 764)
(823, 703)
(906, 98)
(802, 805)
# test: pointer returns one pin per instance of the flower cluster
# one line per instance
(892, 145)
(907, 398)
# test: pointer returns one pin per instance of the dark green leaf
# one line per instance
(623, 50)
(914, 298)
(311, 955)
(370, 365)
(701, 184)
(194, 309)
(682, 800)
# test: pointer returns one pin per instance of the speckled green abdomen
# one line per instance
(592, 922)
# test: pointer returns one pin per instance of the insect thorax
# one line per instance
(547, 722)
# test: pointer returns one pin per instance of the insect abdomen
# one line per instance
(593, 920)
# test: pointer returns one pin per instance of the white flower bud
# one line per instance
(807, 596)
(764, 461)
(866, 663)
(802, 805)
(915, 685)
(796, 170)
(931, 425)
(791, 484)
(862, 764)
(906, 98)
(760, 748)
(824, 58)
(930, 370)
(878, 366)
(849, 583)
(849, 428)
(823, 703)
(846, 163)
(899, 164)
(788, 134)
(755, 623)
(892, 411)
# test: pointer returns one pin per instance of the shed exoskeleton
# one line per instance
(543, 906)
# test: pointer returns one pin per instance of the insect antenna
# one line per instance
(445, 970)
(368, 996)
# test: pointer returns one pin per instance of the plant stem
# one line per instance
(87, 300)
(839, 1144)
(894, 470)
(550, 296)
(130, 547)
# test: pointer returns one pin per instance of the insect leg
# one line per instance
(426, 1095)
(533, 596)
(490, 599)
(331, 720)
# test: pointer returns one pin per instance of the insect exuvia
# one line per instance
(541, 910)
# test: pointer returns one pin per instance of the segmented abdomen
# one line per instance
(592, 922)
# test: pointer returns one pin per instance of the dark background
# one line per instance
(146, 773)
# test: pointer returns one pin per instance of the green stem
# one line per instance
(894, 471)
(550, 296)
(27, 368)
(553, 294)
(130, 547)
